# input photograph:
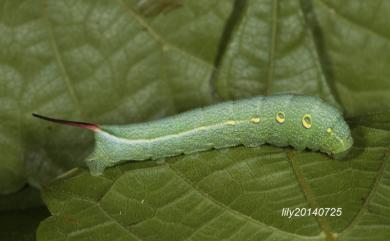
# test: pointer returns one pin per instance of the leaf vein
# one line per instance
(234, 212)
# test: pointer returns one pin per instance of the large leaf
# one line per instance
(233, 194)
(134, 60)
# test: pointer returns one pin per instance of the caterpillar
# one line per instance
(280, 120)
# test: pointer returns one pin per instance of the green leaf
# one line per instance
(233, 194)
(286, 56)
(355, 40)
(334, 49)
(126, 61)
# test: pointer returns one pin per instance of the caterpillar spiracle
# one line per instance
(280, 120)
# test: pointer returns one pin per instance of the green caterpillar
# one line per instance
(280, 120)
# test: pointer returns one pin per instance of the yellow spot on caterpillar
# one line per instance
(255, 120)
(280, 117)
(306, 121)
(202, 128)
(230, 122)
(329, 130)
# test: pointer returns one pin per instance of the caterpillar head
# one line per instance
(338, 139)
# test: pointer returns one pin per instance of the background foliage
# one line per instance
(124, 61)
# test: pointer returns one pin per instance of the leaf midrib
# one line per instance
(307, 192)
(60, 62)
(236, 213)
(271, 53)
(165, 45)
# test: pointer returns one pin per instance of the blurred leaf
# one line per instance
(286, 57)
(330, 48)
(354, 40)
(26, 198)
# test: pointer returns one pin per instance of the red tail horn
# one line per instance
(83, 125)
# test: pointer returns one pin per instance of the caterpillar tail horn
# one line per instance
(84, 125)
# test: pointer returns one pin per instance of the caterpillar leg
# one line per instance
(160, 161)
(96, 167)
